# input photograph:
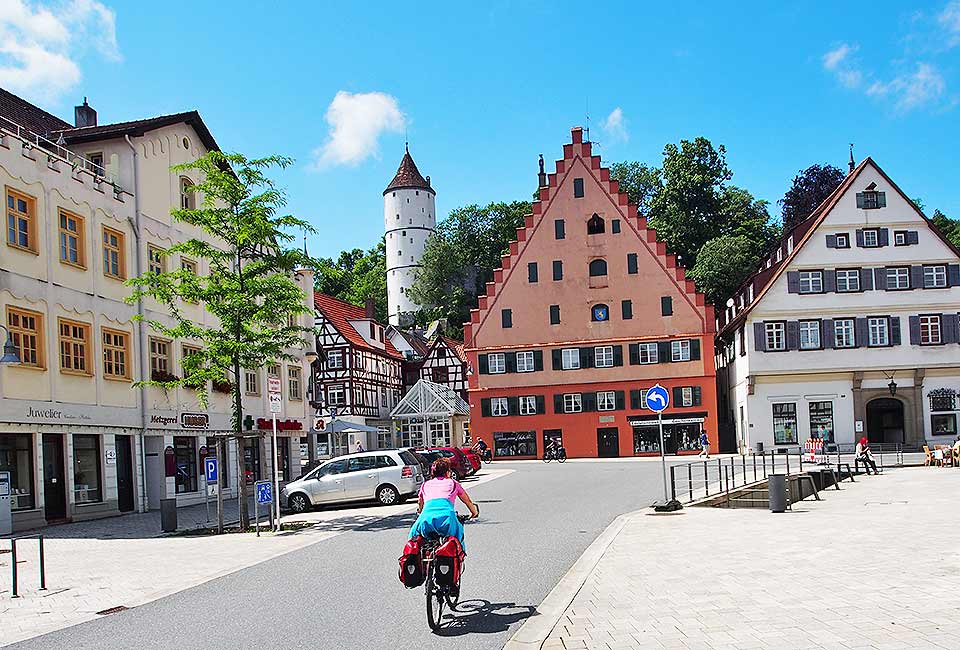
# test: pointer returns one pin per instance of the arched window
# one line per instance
(595, 225)
(598, 267)
(188, 199)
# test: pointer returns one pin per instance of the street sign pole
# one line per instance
(221, 444)
(276, 402)
(663, 456)
(206, 497)
(658, 399)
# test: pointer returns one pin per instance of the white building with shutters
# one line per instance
(849, 328)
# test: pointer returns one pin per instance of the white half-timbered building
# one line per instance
(445, 363)
(848, 329)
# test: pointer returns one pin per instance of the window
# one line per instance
(686, 396)
(809, 335)
(187, 351)
(776, 336)
(525, 361)
(626, 309)
(497, 363)
(615, 226)
(666, 306)
(384, 441)
(87, 475)
(871, 200)
(293, 384)
(532, 274)
(578, 188)
(680, 350)
(821, 421)
(116, 353)
(898, 278)
(185, 453)
(411, 433)
(570, 358)
(335, 359)
(632, 263)
(114, 264)
(900, 238)
(16, 457)
(21, 221)
(74, 347)
(648, 353)
(439, 432)
(188, 199)
(499, 407)
(930, 330)
(603, 356)
(188, 265)
(643, 397)
(943, 399)
(71, 239)
(159, 359)
(515, 443)
(572, 403)
(871, 238)
(843, 336)
(506, 318)
(848, 280)
(26, 332)
(811, 281)
(785, 423)
(251, 382)
(879, 331)
(96, 160)
(595, 225)
(528, 405)
(598, 268)
(155, 259)
(441, 374)
(944, 424)
(934, 277)
(843, 241)
(558, 229)
(336, 396)
(557, 270)
(554, 314)
(606, 400)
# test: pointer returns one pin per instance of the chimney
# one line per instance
(370, 307)
(84, 115)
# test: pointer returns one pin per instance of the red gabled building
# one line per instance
(588, 312)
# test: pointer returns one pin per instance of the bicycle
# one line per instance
(559, 455)
(437, 595)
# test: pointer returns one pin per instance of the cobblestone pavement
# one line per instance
(876, 565)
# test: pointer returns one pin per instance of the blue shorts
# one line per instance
(438, 517)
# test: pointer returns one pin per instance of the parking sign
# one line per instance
(210, 469)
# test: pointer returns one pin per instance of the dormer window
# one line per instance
(871, 199)
(595, 226)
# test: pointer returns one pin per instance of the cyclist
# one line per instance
(437, 514)
(552, 448)
(480, 446)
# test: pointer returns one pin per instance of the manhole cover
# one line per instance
(113, 610)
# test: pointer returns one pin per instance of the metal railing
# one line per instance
(13, 563)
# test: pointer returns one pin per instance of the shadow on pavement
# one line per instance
(483, 617)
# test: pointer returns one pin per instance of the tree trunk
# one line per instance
(238, 430)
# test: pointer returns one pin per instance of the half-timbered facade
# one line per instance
(446, 364)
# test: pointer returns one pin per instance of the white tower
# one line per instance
(409, 218)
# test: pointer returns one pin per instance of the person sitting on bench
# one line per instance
(865, 456)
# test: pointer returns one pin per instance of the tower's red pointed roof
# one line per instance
(408, 177)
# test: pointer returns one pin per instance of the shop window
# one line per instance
(944, 424)
(785, 423)
(384, 441)
(87, 474)
(185, 453)
(16, 457)
(283, 458)
(439, 431)
(552, 435)
(515, 443)
(821, 421)
(251, 459)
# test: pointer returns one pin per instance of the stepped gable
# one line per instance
(621, 206)
(408, 177)
(340, 313)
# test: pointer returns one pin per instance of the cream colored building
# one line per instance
(87, 206)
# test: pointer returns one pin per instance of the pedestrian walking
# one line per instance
(704, 444)
(359, 446)
(865, 456)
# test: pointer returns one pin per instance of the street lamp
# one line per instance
(11, 353)
(893, 387)
(310, 356)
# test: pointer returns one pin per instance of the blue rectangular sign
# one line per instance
(211, 469)
(264, 490)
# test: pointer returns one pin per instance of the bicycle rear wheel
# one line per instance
(434, 602)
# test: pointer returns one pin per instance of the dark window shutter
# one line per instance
(586, 357)
(830, 281)
(664, 354)
(510, 359)
(634, 354)
(589, 402)
(793, 335)
(513, 406)
(860, 199)
(541, 405)
(558, 403)
(895, 330)
(677, 396)
(666, 306)
(883, 237)
(484, 366)
(554, 314)
(634, 399)
(831, 241)
(615, 226)
(578, 188)
(859, 232)
(953, 275)
(827, 333)
(538, 360)
(557, 359)
(621, 403)
(950, 327)
(793, 281)
(631, 263)
(913, 237)
(759, 337)
(558, 229)
(506, 318)
(861, 333)
(880, 278)
(557, 269)
(866, 280)
(916, 277)
(694, 349)
(532, 272)
(485, 407)
(618, 355)
(697, 395)
(626, 309)
(914, 326)
(881, 199)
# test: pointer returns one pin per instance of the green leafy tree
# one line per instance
(355, 276)
(460, 258)
(722, 265)
(949, 227)
(810, 188)
(641, 182)
(249, 287)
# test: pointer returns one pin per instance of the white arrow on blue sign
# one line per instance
(264, 490)
(210, 468)
(658, 399)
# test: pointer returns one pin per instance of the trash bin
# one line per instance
(777, 488)
(168, 515)
(759, 447)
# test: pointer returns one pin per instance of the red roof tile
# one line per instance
(408, 177)
(340, 313)
(456, 346)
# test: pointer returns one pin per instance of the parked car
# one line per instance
(459, 463)
(473, 457)
(388, 475)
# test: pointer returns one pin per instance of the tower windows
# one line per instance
(595, 226)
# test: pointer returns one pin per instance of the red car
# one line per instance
(473, 457)
(459, 463)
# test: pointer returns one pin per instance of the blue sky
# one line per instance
(483, 89)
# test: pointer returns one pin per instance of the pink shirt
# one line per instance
(441, 488)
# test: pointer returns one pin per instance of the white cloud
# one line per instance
(41, 44)
(356, 122)
(615, 127)
(840, 62)
(924, 87)
(835, 57)
(949, 18)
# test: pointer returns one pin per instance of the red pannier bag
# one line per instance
(449, 559)
(411, 569)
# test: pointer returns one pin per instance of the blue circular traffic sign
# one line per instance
(658, 399)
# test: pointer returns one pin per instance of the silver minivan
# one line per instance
(387, 475)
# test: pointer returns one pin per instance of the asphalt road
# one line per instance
(343, 592)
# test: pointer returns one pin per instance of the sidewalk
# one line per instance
(875, 565)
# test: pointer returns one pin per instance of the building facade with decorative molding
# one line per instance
(848, 329)
(587, 313)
